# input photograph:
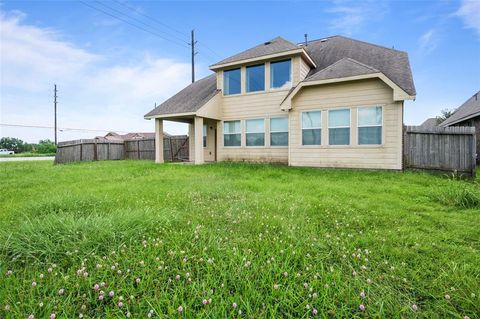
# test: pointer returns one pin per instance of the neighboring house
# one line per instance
(468, 114)
(430, 122)
(334, 102)
(112, 136)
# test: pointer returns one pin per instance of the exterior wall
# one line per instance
(209, 151)
(304, 69)
(252, 106)
(355, 94)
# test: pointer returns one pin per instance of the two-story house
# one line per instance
(334, 102)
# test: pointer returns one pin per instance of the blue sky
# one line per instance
(110, 74)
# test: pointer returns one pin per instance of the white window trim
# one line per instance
(223, 128)
(223, 82)
(350, 127)
(264, 77)
(270, 127)
(291, 75)
(246, 132)
(382, 125)
(312, 128)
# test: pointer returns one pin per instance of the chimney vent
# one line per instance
(306, 39)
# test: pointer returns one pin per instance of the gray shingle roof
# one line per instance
(342, 68)
(430, 122)
(394, 64)
(190, 99)
(469, 109)
(273, 46)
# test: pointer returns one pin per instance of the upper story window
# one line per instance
(339, 127)
(280, 74)
(370, 125)
(255, 78)
(231, 82)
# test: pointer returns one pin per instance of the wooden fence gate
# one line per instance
(175, 148)
(440, 148)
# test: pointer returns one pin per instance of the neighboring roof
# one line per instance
(190, 99)
(113, 136)
(273, 46)
(469, 109)
(342, 68)
(393, 63)
(430, 122)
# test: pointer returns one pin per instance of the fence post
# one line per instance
(81, 151)
(138, 149)
(171, 148)
(95, 156)
(108, 151)
(474, 154)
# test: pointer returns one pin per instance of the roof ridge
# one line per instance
(361, 41)
(343, 59)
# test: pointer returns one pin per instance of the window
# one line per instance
(231, 133)
(280, 73)
(205, 127)
(255, 132)
(339, 127)
(255, 78)
(231, 82)
(312, 128)
(370, 125)
(279, 131)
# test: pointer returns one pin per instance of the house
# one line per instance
(468, 114)
(113, 136)
(333, 102)
(430, 122)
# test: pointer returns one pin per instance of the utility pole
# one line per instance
(193, 55)
(55, 111)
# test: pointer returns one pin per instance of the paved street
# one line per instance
(16, 159)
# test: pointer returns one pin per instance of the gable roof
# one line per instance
(469, 109)
(342, 68)
(276, 45)
(190, 99)
(393, 63)
(430, 122)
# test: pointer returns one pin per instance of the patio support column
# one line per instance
(158, 141)
(198, 127)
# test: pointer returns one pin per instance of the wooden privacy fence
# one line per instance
(440, 148)
(175, 148)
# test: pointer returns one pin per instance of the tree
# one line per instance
(46, 146)
(445, 114)
(12, 144)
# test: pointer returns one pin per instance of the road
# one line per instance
(16, 159)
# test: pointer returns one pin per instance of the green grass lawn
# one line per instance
(235, 240)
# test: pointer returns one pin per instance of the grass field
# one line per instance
(135, 239)
(28, 154)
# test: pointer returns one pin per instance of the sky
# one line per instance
(110, 73)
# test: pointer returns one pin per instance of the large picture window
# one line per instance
(231, 82)
(232, 134)
(280, 74)
(370, 125)
(255, 132)
(312, 128)
(279, 131)
(339, 127)
(255, 78)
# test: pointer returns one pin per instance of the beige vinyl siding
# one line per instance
(209, 151)
(252, 106)
(304, 69)
(352, 95)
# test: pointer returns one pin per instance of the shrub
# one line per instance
(46, 146)
(460, 195)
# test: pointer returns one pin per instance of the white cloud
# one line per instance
(351, 16)
(470, 13)
(94, 92)
(428, 41)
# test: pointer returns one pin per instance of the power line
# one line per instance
(132, 24)
(60, 128)
(209, 49)
(139, 21)
(151, 18)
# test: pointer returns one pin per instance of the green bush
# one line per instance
(46, 146)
